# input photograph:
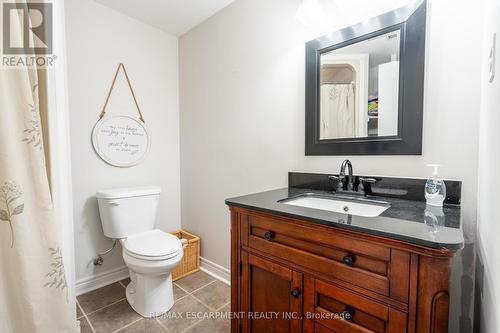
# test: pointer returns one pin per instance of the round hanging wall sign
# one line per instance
(121, 141)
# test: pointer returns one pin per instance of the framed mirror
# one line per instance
(365, 85)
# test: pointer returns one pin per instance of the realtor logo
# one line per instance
(27, 34)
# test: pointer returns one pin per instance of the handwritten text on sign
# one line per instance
(121, 140)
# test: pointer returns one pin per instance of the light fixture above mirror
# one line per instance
(315, 12)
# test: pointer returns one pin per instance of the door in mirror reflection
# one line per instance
(359, 89)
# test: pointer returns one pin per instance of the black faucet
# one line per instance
(342, 175)
(350, 183)
(341, 178)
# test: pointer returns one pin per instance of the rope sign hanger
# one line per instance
(121, 140)
(103, 112)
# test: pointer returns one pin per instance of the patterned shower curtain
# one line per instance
(337, 111)
(33, 288)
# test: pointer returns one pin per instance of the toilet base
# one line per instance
(150, 296)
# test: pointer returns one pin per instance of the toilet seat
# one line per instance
(152, 245)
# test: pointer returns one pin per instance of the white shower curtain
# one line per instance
(33, 288)
(337, 111)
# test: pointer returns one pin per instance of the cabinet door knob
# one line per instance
(295, 292)
(268, 235)
(348, 260)
(347, 314)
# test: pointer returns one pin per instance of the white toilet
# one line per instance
(129, 214)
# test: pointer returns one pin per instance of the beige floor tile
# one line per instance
(178, 292)
(181, 316)
(144, 326)
(214, 295)
(113, 317)
(194, 281)
(125, 282)
(211, 325)
(78, 312)
(108, 311)
(102, 297)
(226, 308)
(84, 326)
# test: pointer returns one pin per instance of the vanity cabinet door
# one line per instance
(331, 308)
(271, 296)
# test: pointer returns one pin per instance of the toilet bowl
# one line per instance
(150, 254)
(150, 257)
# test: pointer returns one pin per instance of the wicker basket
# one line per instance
(191, 260)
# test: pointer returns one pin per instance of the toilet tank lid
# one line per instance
(128, 192)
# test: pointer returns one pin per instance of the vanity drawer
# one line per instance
(359, 262)
(330, 308)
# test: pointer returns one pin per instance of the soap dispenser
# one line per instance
(435, 189)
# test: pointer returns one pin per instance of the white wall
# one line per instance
(98, 38)
(489, 183)
(242, 110)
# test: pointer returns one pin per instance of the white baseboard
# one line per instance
(100, 280)
(106, 278)
(217, 271)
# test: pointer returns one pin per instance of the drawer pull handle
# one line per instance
(295, 292)
(348, 260)
(347, 314)
(268, 235)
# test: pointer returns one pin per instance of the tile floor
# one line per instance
(106, 310)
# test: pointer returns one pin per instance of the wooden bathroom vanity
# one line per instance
(291, 274)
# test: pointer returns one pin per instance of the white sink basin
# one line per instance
(366, 208)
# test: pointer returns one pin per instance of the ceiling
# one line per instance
(175, 17)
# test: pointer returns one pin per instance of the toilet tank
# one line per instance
(127, 211)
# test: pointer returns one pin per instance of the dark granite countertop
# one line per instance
(404, 220)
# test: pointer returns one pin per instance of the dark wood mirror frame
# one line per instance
(411, 22)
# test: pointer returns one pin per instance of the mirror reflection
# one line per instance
(359, 89)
